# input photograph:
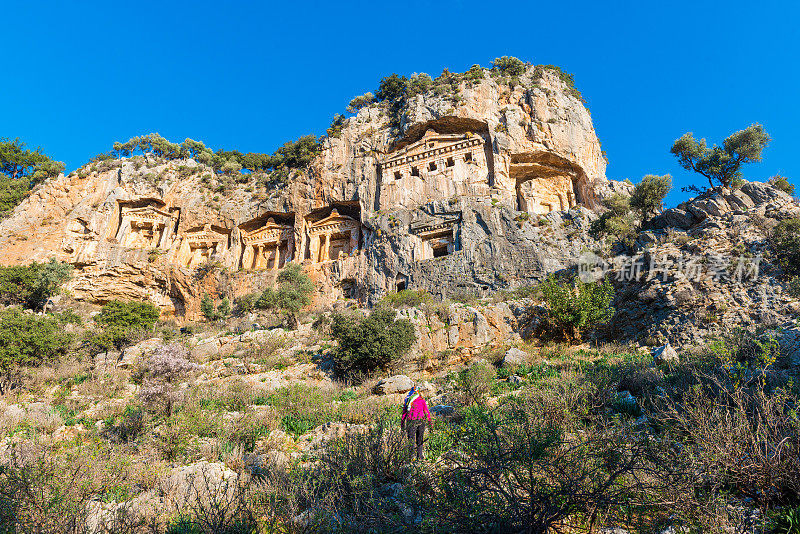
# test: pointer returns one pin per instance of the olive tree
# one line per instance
(648, 195)
(721, 164)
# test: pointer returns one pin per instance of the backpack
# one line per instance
(411, 397)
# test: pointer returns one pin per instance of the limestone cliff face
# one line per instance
(474, 191)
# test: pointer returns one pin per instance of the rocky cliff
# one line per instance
(488, 186)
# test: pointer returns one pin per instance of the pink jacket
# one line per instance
(417, 410)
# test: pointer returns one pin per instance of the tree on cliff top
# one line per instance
(721, 165)
(18, 162)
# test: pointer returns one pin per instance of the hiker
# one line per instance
(415, 411)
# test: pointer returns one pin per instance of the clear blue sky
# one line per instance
(250, 75)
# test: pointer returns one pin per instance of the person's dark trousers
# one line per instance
(416, 436)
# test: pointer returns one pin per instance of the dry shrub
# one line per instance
(47, 490)
(737, 437)
(533, 466)
(475, 383)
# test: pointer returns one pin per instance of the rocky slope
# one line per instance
(431, 196)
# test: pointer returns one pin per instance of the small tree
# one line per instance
(369, 343)
(293, 293)
(509, 65)
(27, 340)
(576, 307)
(648, 195)
(161, 372)
(360, 102)
(31, 285)
(119, 321)
(618, 222)
(721, 165)
(21, 163)
(475, 383)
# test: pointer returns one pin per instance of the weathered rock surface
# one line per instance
(393, 384)
(489, 190)
(698, 279)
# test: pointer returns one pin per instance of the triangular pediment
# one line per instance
(146, 211)
(333, 219)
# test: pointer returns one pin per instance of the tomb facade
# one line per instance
(436, 167)
(201, 245)
(268, 246)
(146, 226)
(436, 234)
(332, 237)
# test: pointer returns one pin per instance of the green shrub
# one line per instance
(794, 287)
(27, 340)
(407, 298)
(120, 321)
(360, 102)
(31, 285)
(777, 181)
(293, 293)
(576, 307)
(12, 192)
(786, 245)
(475, 382)
(370, 343)
(337, 124)
(509, 65)
(786, 520)
(222, 311)
(648, 195)
(618, 222)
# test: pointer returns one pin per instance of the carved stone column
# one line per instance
(124, 228)
(247, 257)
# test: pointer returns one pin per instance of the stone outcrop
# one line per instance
(714, 267)
(488, 190)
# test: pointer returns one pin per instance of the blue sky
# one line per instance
(251, 75)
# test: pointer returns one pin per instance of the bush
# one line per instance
(407, 298)
(120, 322)
(794, 287)
(786, 245)
(576, 307)
(293, 293)
(12, 192)
(618, 222)
(648, 195)
(509, 66)
(27, 340)
(222, 311)
(360, 102)
(370, 343)
(476, 382)
(525, 468)
(33, 284)
(777, 181)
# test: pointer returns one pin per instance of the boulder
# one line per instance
(665, 354)
(131, 354)
(393, 384)
(515, 356)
